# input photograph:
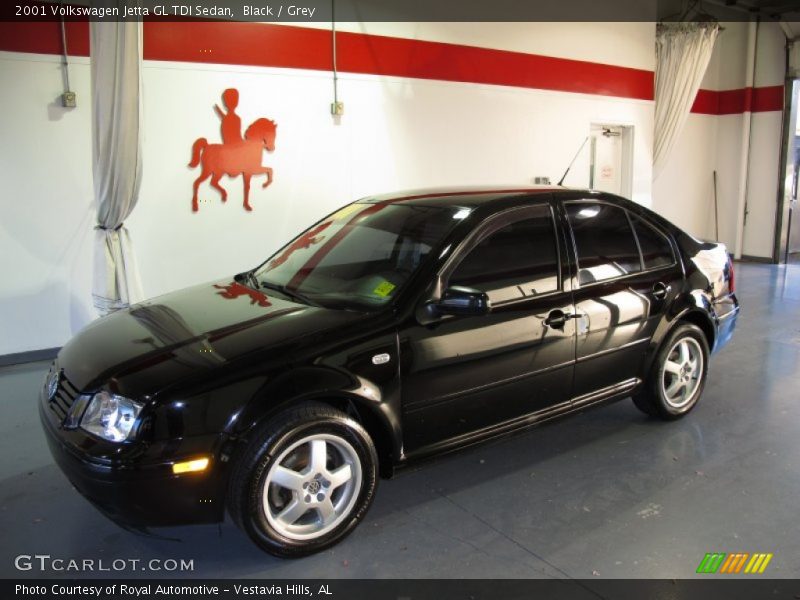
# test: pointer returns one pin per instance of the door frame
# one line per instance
(487, 226)
(626, 159)
(783, 213)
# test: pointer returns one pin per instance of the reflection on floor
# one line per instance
(607, 493)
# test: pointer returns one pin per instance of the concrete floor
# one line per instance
(608, 493)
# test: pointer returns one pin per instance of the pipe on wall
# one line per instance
(787, 31)
(744, 158)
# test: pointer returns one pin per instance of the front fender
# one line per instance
(327, 384)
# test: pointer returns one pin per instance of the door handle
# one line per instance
(660, 290)
(558, 318)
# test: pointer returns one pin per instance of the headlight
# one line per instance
(110, 416)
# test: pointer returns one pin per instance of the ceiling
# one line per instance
(776, 9)
(732, 10)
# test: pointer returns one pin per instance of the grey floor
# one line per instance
(607, 493)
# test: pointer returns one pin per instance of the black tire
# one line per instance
(267, 445)
(652, 398)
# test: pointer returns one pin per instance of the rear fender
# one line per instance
(694, 307)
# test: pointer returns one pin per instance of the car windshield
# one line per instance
(360, 256)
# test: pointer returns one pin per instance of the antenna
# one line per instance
(574, 158)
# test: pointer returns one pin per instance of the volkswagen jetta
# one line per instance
(398, 328)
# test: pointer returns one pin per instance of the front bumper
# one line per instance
(136, 494)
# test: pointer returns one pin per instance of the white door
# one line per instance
(606, 159)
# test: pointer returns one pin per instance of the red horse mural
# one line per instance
(235, 290)
(235, 155)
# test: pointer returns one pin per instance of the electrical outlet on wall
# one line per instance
(337, 109)
(69, 100)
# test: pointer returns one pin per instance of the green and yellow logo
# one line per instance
(737, 562)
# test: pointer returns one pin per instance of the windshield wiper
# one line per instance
(294, 295)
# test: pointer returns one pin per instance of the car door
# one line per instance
(462, 375)
(626, 275)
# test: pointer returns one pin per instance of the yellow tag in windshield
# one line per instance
(384, 289)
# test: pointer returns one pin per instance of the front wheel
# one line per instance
(678, 375)
(305, 480)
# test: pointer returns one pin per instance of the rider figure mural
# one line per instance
(236, 155)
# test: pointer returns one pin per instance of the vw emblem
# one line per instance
(52, 383)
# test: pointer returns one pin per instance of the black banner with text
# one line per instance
(409, 589)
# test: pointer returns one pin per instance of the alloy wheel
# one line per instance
(312, 486)
(682, 372)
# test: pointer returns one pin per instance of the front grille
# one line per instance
(63, 399)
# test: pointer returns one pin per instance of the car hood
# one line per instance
(140, 350)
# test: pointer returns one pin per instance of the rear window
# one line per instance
(604, 241)
(656, 249)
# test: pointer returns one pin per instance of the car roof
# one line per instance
(484, 196)
(459, 196)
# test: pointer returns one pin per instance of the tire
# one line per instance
(304, 481)
(678, 375)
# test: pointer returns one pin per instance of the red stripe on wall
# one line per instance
(706, 102)
(303, 48)
(767, 98)
(266, 45)
(735, 101)
(449, 62)
(251, 44)
(731, 102)
(44, 37)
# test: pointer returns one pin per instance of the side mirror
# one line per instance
(463, 301)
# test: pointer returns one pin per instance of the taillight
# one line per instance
(731, 277)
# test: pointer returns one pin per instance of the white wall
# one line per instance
(765, 145)
(684, 192)
(45, 205)
(396, 134)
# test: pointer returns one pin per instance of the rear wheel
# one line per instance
(304, 481)
(678, 375)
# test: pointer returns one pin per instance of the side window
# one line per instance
(656, 249)
(604, 241)
(516, 261)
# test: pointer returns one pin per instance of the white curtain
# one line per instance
(116, 62)
(682, 54)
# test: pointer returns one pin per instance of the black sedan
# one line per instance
(395, 329)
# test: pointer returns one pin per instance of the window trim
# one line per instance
(491, 225)
(627, 212)
(636, 239)
(667, 237)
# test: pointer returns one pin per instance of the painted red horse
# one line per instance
(235, 290)
(240, 158)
